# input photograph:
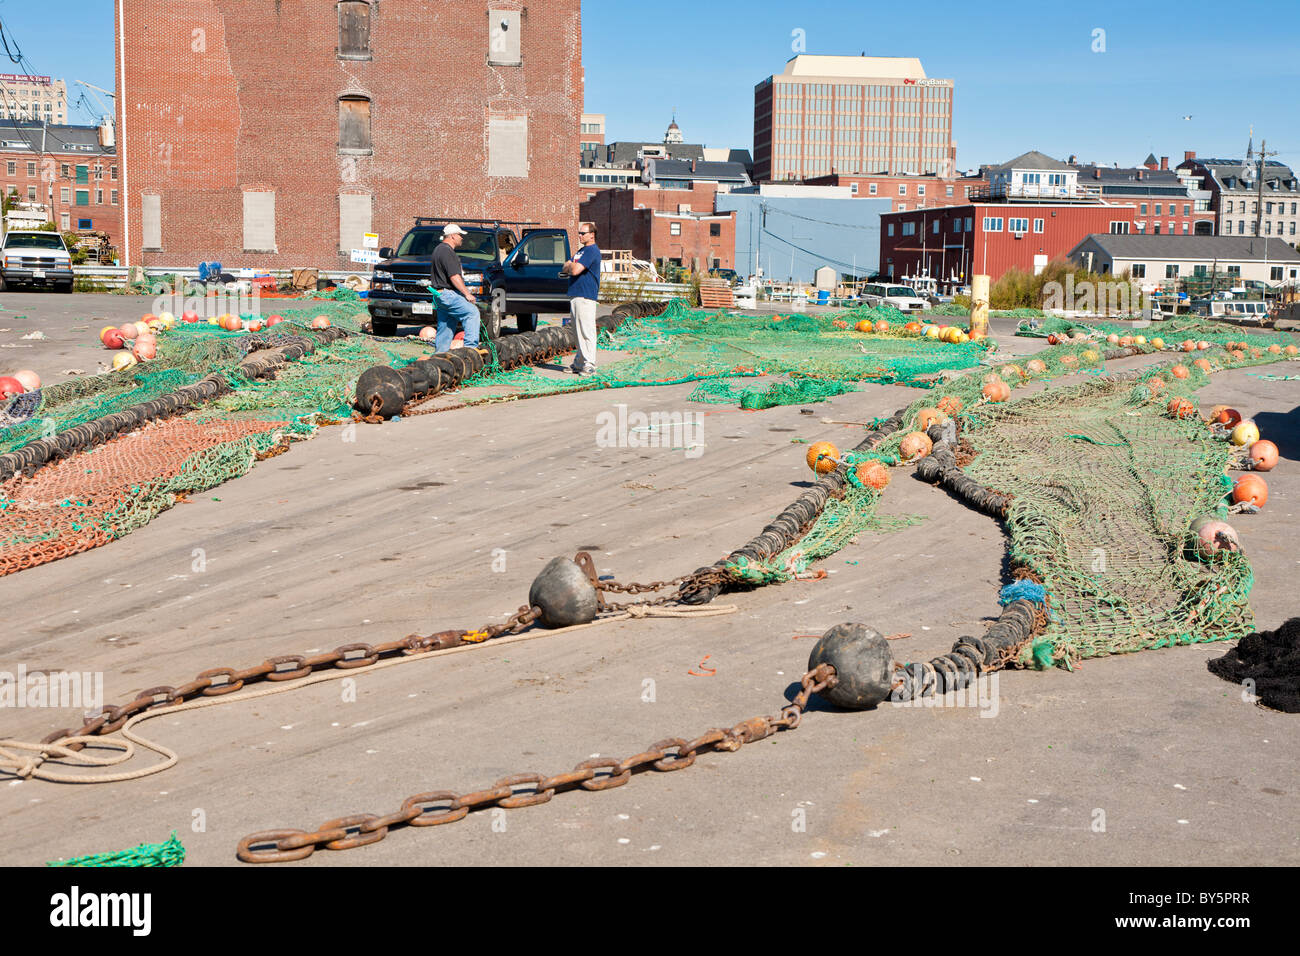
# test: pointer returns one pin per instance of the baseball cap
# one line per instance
(451, 229)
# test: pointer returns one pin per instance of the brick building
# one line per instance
(953, 243)
(906, 192)
(275, 133)
(679, 225)
(1166, 202)
(70, 171)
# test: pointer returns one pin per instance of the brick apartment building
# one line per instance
(679, 225)
(1167, 202)
(906, 192)
(69, 171)
(955, 242)
(275, 133)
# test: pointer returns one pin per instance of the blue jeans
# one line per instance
(455, 311)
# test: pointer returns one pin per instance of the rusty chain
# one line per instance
(437, 807)
(217, 681)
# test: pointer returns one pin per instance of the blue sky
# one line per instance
(1026, 76)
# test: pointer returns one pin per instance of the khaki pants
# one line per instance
(584, 323)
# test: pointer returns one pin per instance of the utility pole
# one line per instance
(1259, 187)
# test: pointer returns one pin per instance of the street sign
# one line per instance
(368, 256)
(370, 240)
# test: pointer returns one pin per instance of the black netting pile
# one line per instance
(1272, 660)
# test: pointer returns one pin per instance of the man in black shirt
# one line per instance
(456, 306)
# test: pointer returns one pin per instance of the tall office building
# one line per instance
(38, 98)
(852, 114)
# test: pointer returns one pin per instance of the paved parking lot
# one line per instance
(442, 521)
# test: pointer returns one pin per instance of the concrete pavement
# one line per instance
(1142, 759)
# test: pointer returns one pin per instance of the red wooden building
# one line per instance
(955, 242)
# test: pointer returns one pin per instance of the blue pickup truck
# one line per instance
(511, 274)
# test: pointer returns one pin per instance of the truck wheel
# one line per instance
(65, 287)
(492, 321)
(383, 327)
(2, 283)
(526, 321)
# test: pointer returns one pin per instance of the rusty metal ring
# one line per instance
(57, 735)
(317, 838)
(483, 796)
(426, 819)
(369, 657)
(617, 777)
(193, 687)
(515, 802)
(793, 715)
(302, 670)
(652, 755)
(162, 689)
(354, 822)
(566, 779)
(675, 761)
(216, 690)
(394, 819)
(246, 852)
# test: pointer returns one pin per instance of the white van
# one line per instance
(901, 297)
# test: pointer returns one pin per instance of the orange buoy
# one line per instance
(950, 404)
(1180, 371)
(930, 416)
(864, 326)
(997, 391)
(1037, 366)
(915, 445)
(1180, 408)
(1263, 454)
(1225, 415)
(882, 326)
(872, 474)
(320, 322)
(1203, 365)
(820, 455)
(1250, 489)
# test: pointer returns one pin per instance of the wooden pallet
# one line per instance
(716, 294)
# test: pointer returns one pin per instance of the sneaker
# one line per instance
(587, 370)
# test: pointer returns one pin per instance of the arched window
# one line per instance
(354, 124)
(354, 28)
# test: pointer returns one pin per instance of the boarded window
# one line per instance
(503, 38)
(354, 220)
(151, 214)
(354, 124)
(354, 28)
(508, 145)
(259, 221)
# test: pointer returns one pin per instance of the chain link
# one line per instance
(217, 681)
(599, 773)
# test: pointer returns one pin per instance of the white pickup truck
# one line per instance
(35, 258)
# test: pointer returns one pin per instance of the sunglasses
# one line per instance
(584, 232)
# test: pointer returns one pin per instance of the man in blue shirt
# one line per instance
(583, 271)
